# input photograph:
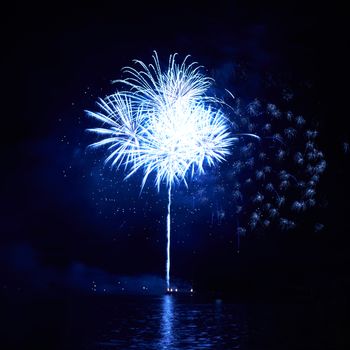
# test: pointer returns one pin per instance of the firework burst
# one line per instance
(163, 123)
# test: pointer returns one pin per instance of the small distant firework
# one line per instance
(287, 164)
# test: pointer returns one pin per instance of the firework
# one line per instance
(163, 123)
(288, 166)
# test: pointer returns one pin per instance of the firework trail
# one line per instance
(165, 124)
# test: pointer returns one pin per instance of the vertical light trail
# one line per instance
(168, 240)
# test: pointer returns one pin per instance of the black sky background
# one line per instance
(58, 58)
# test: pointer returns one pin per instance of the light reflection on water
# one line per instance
(167, 325)
(170, 322)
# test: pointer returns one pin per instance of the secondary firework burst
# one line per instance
(163, 122)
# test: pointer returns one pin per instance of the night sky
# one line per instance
(68, 221)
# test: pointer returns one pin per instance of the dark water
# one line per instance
(171, 322)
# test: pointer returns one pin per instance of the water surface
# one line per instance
(170, 322)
